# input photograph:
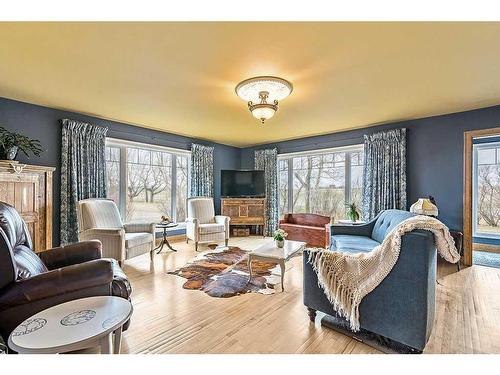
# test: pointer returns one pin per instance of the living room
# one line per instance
(255, 187)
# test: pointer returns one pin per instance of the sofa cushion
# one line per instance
(387, 221)
(136, 239)
(211, 228)
(352, 244)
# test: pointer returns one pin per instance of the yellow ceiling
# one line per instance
(180, 77)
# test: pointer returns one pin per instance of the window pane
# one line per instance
(132, 155)
(144, 156)
(318, 184)
(115, 153)
(156, 158)
(148, 187)
(357, 180)
(486, 156)
(182, 187)
(112, 155)
(283, 187)
(488, 199)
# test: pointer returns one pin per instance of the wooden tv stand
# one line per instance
(245, 211)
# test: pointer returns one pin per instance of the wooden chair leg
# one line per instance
(196, 246)
(227, 241)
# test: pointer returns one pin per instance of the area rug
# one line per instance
(223, 272)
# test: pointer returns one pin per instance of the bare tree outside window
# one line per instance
(283, 187)
(148, 184)
(112, 156)
(182, 186)
(320, 183)
(488, 190)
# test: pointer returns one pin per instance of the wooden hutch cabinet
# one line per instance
(245, 211)
(29, 189)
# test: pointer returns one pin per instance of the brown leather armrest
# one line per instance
(57, 282)
(68, 255)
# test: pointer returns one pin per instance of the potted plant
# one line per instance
(352, 212)
(279, 238)
(11, 143)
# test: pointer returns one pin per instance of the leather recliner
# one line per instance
(30, 283)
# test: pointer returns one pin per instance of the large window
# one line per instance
(147, 181)
(486, 190)
(320, 182)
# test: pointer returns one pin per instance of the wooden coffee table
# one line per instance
(74, 325)
(271, 253)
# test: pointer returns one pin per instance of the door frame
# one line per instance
(467, 195)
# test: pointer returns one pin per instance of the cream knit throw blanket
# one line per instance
(348, 278)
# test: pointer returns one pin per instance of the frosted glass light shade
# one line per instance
(263, 113)
(249, 89)
(423, 206)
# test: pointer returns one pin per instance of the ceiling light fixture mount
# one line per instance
(263, 94)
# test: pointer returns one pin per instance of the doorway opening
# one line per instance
(482, 198)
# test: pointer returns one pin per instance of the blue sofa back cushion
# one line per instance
(387, 221)
(352, 244)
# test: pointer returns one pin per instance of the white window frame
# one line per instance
(349, 150)
(122, 145)
(475, 149)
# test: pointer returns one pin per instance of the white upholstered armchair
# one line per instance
(202, 225)
(100, 219)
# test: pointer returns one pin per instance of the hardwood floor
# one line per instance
(169, 319)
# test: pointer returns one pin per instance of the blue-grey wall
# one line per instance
(435, 149)
(43, 123)
(435, 154)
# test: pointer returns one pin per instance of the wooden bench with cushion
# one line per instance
(310, 228)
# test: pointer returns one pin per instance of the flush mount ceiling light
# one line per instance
(263, 95)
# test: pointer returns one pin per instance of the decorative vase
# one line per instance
(279, 243)
(10, 153)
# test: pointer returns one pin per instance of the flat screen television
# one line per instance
(242, 184)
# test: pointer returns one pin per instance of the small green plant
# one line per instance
(352, 212)
(14, 141)
(280, 235)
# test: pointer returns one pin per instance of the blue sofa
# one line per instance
(402, 307)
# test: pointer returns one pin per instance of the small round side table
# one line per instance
(164, 240)
(74, 325)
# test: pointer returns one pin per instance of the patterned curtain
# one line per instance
(83, 171)
(267, 160)
(202, 171)
(384, 172)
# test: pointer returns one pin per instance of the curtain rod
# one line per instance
(326, 144)
(148, 137)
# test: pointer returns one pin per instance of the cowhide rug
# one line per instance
(223, 272)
